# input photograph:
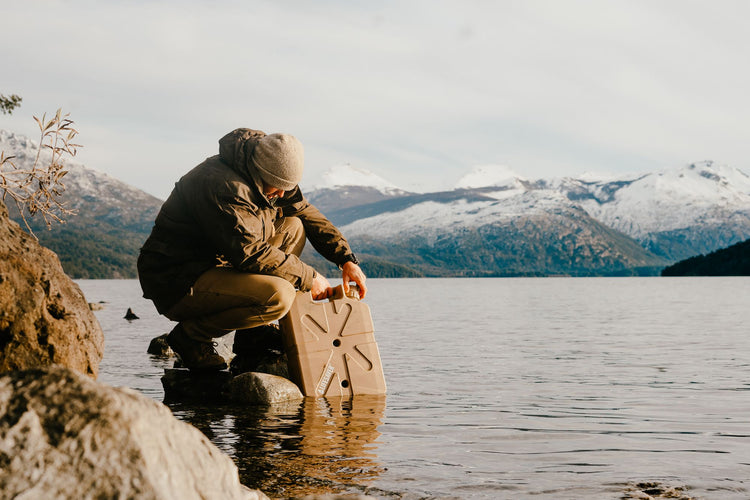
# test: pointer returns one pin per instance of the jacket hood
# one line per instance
(236, 150)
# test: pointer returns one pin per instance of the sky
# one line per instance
(418, 92)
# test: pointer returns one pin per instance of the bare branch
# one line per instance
(38, 189)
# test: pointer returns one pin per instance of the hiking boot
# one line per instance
(195, 355)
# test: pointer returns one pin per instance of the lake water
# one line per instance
(500, 388)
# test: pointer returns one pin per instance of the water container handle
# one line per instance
(338, 292)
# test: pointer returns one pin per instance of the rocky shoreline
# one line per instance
(64, 435)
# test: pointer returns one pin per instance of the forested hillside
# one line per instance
(731, 261)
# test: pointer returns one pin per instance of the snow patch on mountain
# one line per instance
(490, 175)
(675, 212)
(85, 182)
(346, 175)
(430, 219)
(23, 148)
(603, 177)
(670, 199)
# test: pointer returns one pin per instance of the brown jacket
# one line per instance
(217, 212)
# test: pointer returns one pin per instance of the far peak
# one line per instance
(347, 175)
(702, 164)
(488, 175)
(708, 169)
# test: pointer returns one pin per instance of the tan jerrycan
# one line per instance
(331, 347)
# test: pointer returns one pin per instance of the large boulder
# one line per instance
(44, 317)
(63, 435)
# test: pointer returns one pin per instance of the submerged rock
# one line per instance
(63, 435)
(159, 347)
(337, 496)
(44, 317)
(130, 315)
(650, 490)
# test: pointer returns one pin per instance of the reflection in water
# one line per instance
(318, 445)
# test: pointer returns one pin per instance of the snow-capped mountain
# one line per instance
(672, 214)
(663, 201)
(344, 186)
(430, 215)
(341, 176)
(677, 212)
(493, 231)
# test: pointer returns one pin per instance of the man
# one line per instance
(223, 254)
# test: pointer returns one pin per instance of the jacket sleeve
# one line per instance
(240, 234)
(321, 232)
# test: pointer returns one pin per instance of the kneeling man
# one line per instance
(223, 254)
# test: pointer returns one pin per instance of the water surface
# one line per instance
(500, 388)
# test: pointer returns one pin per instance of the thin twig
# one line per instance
(39, 188)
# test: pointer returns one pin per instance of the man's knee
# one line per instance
(281, 301)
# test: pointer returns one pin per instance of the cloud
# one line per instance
(416, 91)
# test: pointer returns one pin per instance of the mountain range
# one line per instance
(493, 223)
(496, 222)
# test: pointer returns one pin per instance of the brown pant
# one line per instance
(223, 299)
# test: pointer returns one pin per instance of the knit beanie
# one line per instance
(280, 160)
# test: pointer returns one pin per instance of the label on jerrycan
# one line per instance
(331, 346)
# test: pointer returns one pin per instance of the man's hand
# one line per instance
(352, 272)
(321, 288)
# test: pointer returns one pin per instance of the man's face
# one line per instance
(272, 193)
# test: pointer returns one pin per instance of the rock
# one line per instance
(262, 388)
(44, 317)
(63, 435)
(96, 306)
(130, 315)
(181, 384)
(336, 496)
(649, 490)
(159, 347)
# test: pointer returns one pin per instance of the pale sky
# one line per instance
(418, 92)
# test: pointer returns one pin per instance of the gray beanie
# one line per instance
(280, 160)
